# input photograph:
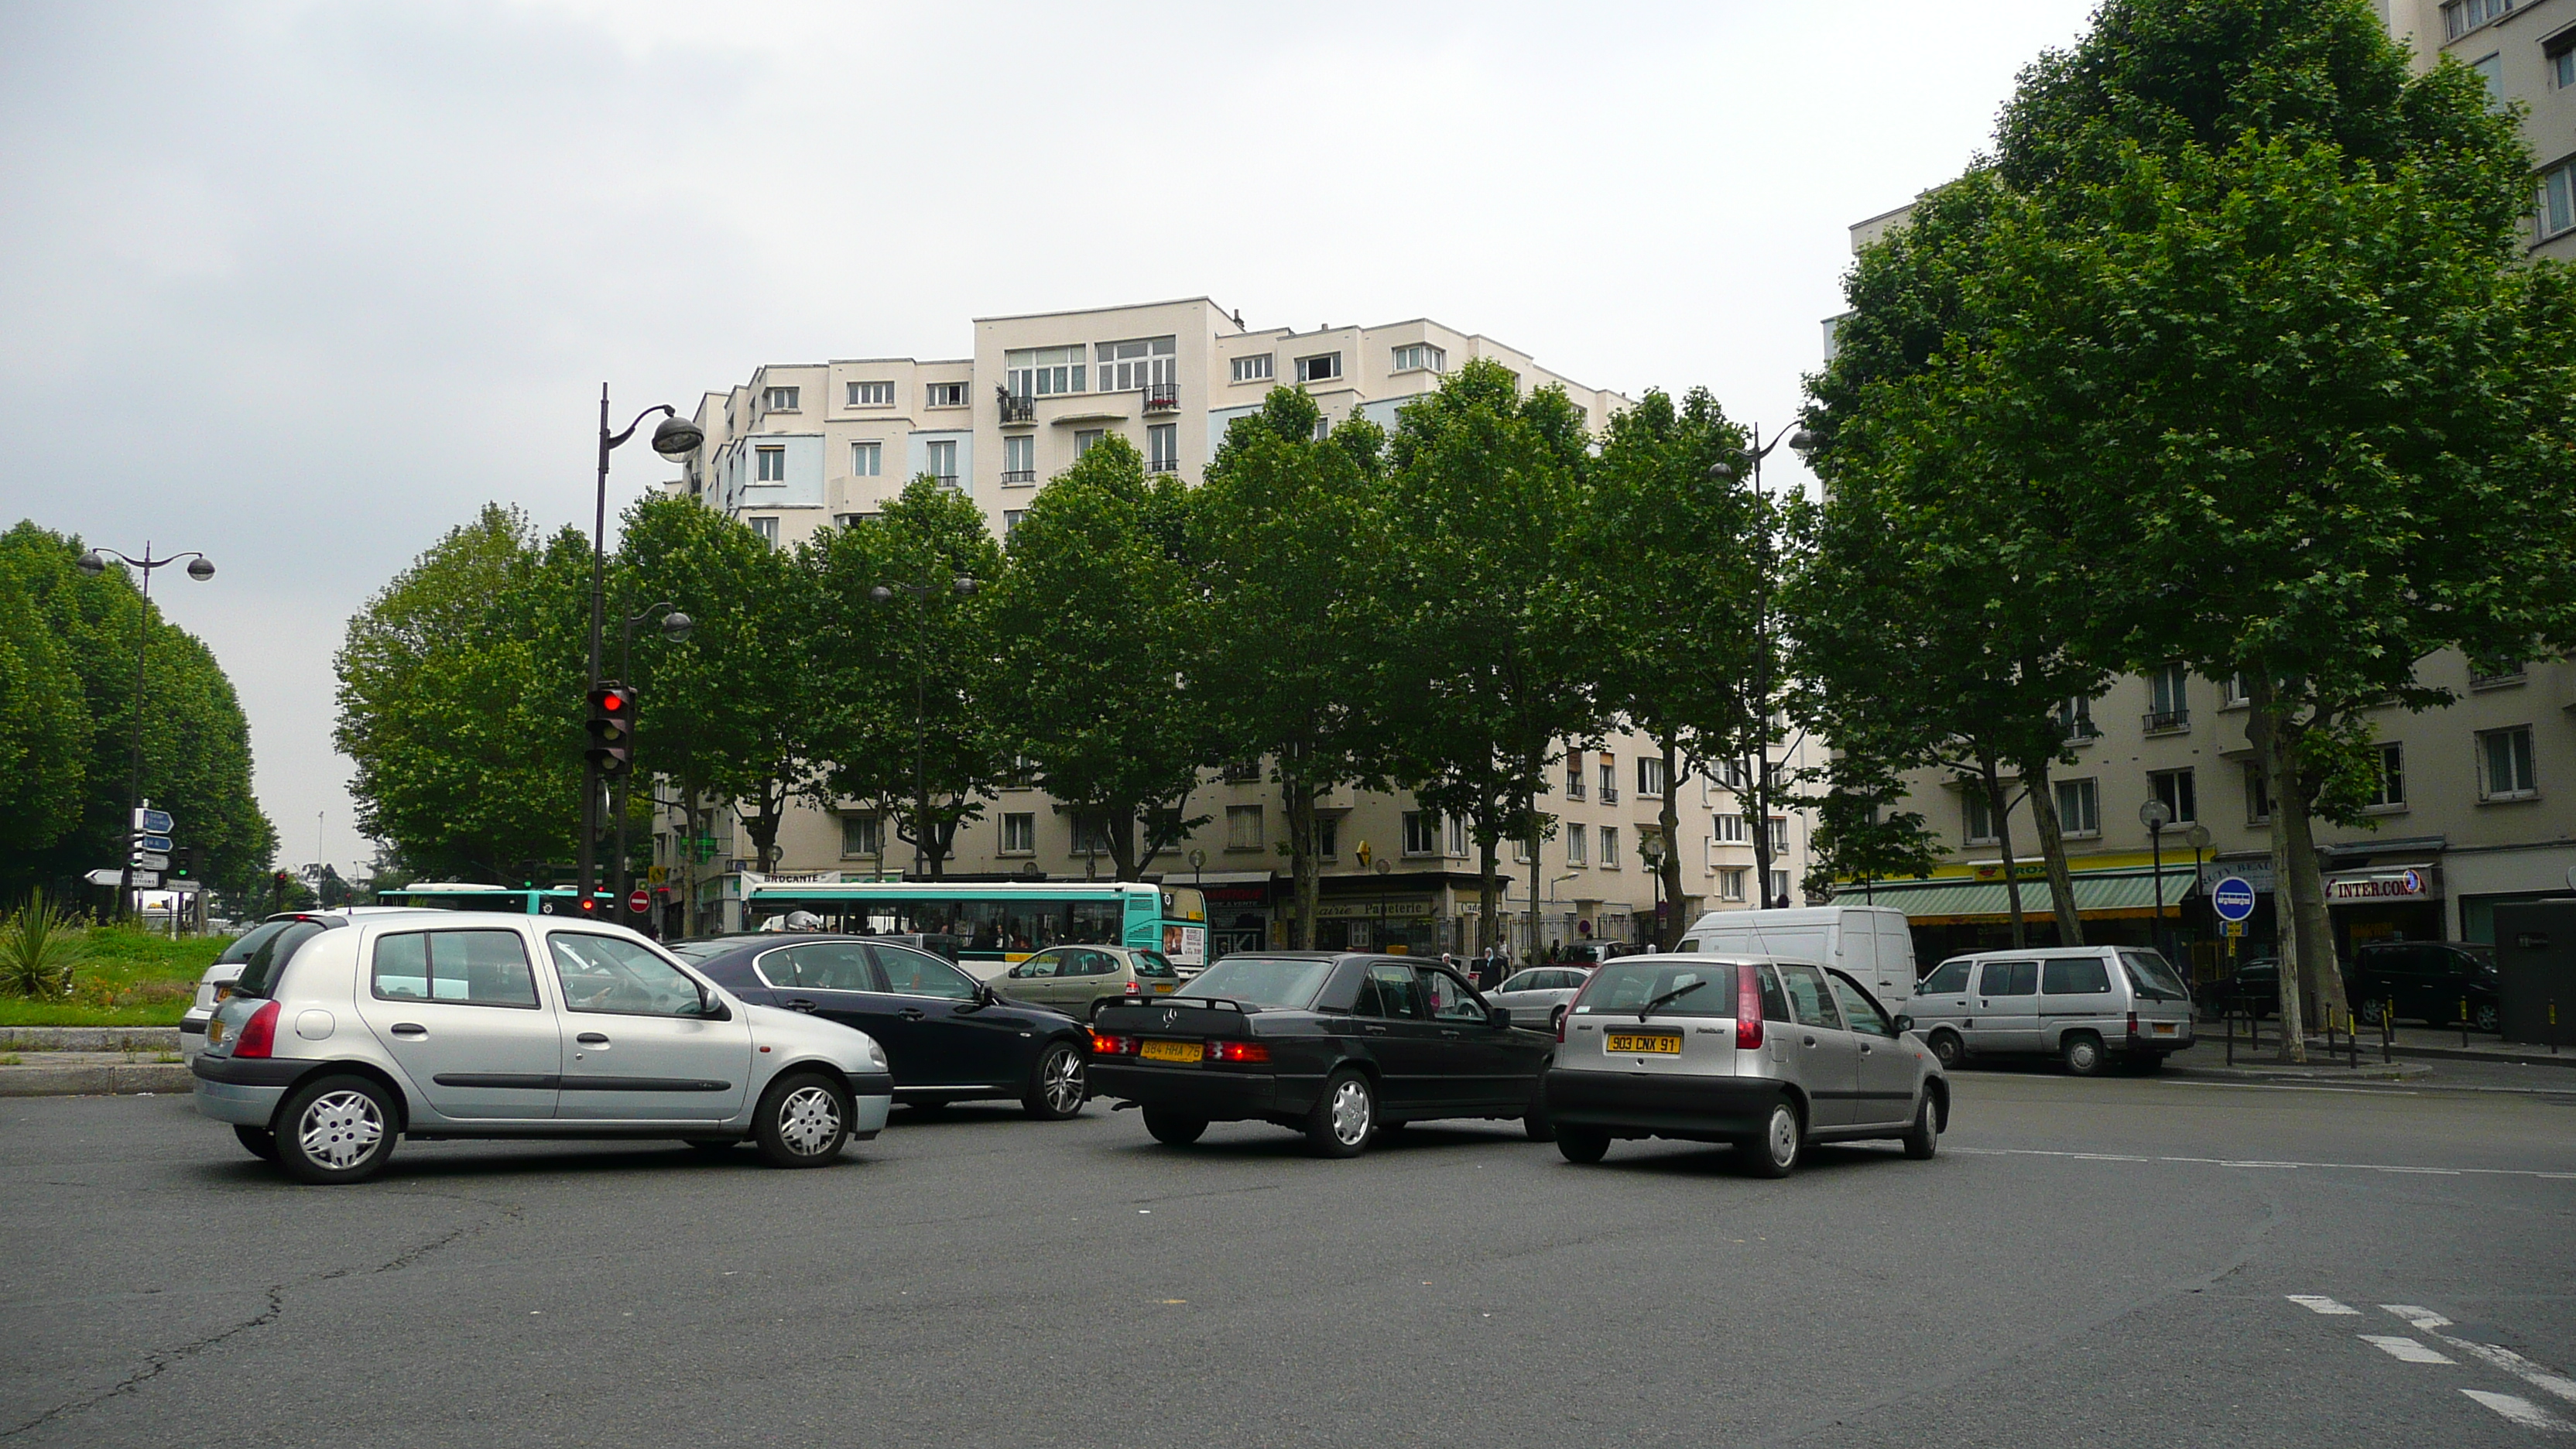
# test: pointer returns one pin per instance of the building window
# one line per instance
(2168, 702)
(2174, 789)
(1019, 459)
(1520, 849)
(1129, 366)
(1421, 832)
(1087, 439)
(2075, 716)
(769, 465)
(1011, 521)
(1319, 369)
(1255, 369)
(1780, 888)
(862, 835)
(1090, 833)
(1976, 818)
(1730, 883)
(867, 460)
(1044, 371)
(945, 395)
(1779, 835)
(1243, 827)
(778, 400)
(2079, 808)
(2388, 791)
(2258, 793)
(2462, 16)
(1421, 357)
(2562, 61)
(939, 460)
(1730, 830)
(766, 530)
(1732, 774)
(1574, 777)
(1609, 779)
(2558, 190)
(1163, 448)
(1328, 836)
(1020, 833)
(871, 394)
(2505, 765)
(1578, 849)
(1609, 847)
(1650, 776)
(2232, 694)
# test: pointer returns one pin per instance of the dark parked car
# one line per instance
(2430, 981)
(2255, 989)
(1337, 1046)
(948, 1037)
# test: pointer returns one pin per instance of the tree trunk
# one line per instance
(1668, 926)
(2272, 745)
(2000, 808)
(2317, 962)
(2052, 854)
(1120, 826)
(1759, 804)
(1299, 799)
(1489, 918)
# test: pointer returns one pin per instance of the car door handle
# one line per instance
(1374, 1030)
(910, 1013)
(797, 1003)
(1864, 1048)
(592, 1038)
(410, 1028)
(1449, 1032)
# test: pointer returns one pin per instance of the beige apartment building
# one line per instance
(801, 446)
(2476, 802)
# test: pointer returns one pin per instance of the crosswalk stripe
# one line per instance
(2318, 1303)
(2522, 1411)
(2405, 1349)
(2537, 1375)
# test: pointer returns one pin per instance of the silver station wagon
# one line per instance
(2088, 1006)
(1767, 1055)
(345, 1033)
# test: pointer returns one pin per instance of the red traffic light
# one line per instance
(611, 701)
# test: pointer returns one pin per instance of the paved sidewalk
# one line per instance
(68, 1074)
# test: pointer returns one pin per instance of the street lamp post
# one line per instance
(1652, 850)
(1727, 470)
(94, 563)
(2198, 837)
(960, 587)
(2155, 815)
(675, 438)
(675, 627)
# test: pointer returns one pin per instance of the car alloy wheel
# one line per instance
(1351, 1113)
(336, 1130)
(808, 1120)
(1343, 1117)
(2485, 1018)
(1923, 1138)
(1057, 1086)
(803, 1121)
(1775, 1152)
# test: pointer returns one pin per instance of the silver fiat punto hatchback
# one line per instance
(344, 1033)
(1767, 1055)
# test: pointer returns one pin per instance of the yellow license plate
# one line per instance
(2164, 1028)
(1162, 987)
(1172, 1051)
(1668, 1046)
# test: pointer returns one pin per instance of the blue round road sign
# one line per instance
(2232, 898)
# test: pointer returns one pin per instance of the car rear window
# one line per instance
(1262, 980)
(2152, 977)
(250, 941)
(2086, 976)
(1154, 964)
(1631, 981)
(260, 969)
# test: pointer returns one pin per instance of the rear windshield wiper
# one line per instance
(1675, 994)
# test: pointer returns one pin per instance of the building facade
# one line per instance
(2526, 51)
(798, 447)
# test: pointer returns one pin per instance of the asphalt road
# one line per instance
(2097, 1262)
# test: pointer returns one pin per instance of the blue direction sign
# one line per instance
(151, 821)
(159, 844)
(2232, 898)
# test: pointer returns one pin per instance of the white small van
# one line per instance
(1871, 943)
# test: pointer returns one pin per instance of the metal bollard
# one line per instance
(2553, 1026)
(2388, 1030)
(2231, 1036)
(2464, 1021)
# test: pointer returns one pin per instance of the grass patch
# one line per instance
(126, 977)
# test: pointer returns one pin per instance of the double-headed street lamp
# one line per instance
(959, 587)
(675, 439)
(675, 627)
(94, 563)
(2156, 815)
(1650, 849)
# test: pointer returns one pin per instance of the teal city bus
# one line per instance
(448, 895)
(996, 921)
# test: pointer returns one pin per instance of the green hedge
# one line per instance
(126, 977)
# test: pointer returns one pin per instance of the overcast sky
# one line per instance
(303, 285)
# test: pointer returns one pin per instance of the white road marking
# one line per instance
(2318, 1303)
(2539, 1376)
(2424, 1318)
(2522, 1411)
(2405, 1350)
(2392, 1167)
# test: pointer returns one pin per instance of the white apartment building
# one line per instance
(797, 447)
(2526, 50)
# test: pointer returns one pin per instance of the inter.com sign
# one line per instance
(2398, 886)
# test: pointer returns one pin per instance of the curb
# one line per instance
(2290, 1072)
(89, 1038)
(93, 1080)
(2454, 1054)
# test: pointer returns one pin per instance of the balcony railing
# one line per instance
(1574, 789)
(1609, 794)
(947, 480)
(1019, 475)
(1162, 397)
(1163, 465)
(2081, 730)
(2167, 721)
(1018, 409)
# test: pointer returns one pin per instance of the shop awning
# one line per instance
(1949, 903)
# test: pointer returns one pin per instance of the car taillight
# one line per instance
(1748, 1007)
(259, 1034)
(2133, 1026)
(1134, 986)
(1104, 1044)
(1237, 1051)
(1560, 1022)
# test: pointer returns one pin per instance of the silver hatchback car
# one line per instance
(1767, 1055)
(1538, 996)
(344, 1033)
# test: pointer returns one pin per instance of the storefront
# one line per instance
(1952, 915)
(2384, 903)
(1241, 906)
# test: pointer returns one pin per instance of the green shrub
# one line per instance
(39, 946)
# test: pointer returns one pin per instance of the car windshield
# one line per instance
(259, 972)
(2152, 977)
(1632, 981)
(251, 940)
(1262, 980)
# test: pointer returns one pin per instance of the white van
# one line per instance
(1870, 942)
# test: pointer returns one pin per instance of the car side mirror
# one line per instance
(1498, 1017)
(1904, 1024)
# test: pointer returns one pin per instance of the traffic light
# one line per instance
(184, 862)
(612, 731)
